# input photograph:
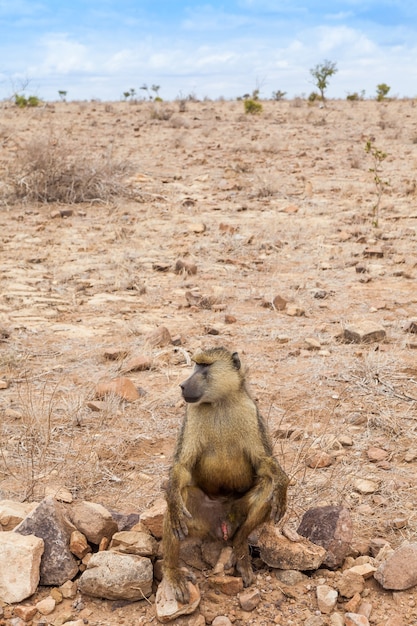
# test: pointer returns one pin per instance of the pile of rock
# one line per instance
(84, 547)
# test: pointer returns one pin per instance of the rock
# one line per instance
(97, 405)
(134, 542)
(312, 343)
(59, 493)
(399, 570)
(25, 612)
(295, 311)
(46, 606)
(153, 518)
(229, 585)
(376, 454)
(279, 303)
(115, 354)
(221, 620)
(250, 599)
(350, 583)
(4, 384)
(326, 598)
(375, 253)
(167, 606)
(159, 338)
(121, 387)
(411, 327)
(290, 577)
(365, 332)
(366, 570)
(330, 527)
(93, 520)
(197, 228)
(49, 522)
(20, 560)
(230, 319)
(78, 544)
(336, 619)
(354, 619)
(365, 486)
(126, 521)
(279, 552)
(117, 576)
(68, 589)
(318, 460)
(12, 513)
(352, 605)
(138, 364)
(184, 267)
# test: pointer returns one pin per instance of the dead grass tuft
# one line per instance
(52, 169)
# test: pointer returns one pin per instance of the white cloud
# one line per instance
(62, 55)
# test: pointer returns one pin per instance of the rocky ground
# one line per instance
(271, 219)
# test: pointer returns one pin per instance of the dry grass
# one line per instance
(54, 169)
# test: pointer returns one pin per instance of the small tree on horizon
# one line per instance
(321, 74)
(382, 91)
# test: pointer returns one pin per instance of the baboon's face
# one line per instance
(212, 381)
(194, 387)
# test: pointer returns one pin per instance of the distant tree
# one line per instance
(62, 94)
(129, 94)
(382, 91)
(356, 96)
(321, 74)
(146, 88)
(278, 95)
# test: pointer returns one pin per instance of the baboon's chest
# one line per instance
(224, 471)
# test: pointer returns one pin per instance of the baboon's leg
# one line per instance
(254, 508)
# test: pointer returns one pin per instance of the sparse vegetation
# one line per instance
(252, 107)
(52, 169)
(278, 95)
(62, 94)
(355, 96)
(382, 91)
(321, 74)
(30, 101)
(381, 184)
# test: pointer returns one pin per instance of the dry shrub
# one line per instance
(51, 169)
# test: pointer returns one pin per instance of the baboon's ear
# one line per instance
(236, 360)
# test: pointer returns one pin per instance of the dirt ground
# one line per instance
(276, 204)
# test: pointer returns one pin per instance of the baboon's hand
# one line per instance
(278, 503)
(178, 515)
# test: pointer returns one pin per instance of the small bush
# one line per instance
(252, 107)
(53, 170)
(314, 97)
(22, 102)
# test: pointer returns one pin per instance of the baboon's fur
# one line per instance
(224, 480)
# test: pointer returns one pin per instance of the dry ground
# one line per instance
(275, 204)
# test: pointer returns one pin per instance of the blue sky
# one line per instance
(99, 49)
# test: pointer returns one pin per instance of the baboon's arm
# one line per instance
(177, 511)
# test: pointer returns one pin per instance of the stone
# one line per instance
(290, 577)
(230, 319)
(411, 327)
(49, 522)
(295, 311)
(350, 583)
(68, 589)
(97, 405)
(153, 518)
(352, 605)
(20, 560)
(25, 612)
(159, 338)
(229, 585)
(354, 619)
(326, 598)
(376, 454)
(116, 576)
(46, 606)
(330, 527)
(78, 544)
(279, 303)
(198, 227)
(122, 387)
(364, 332)
(318, 460)
(249, 599)
(115, 354)
(365, 486)
(93, 520)
(185, 267)
(399, 570)
(366, 570)
(59, 493)
(12, 513)
(279, 552)
(134, 542)
(138, 364)
(167, 606)
(221, 620)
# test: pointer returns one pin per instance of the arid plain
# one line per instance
(272, 216)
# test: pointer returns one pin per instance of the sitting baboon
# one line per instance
(224, 480)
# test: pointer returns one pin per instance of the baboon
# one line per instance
(224, 480)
